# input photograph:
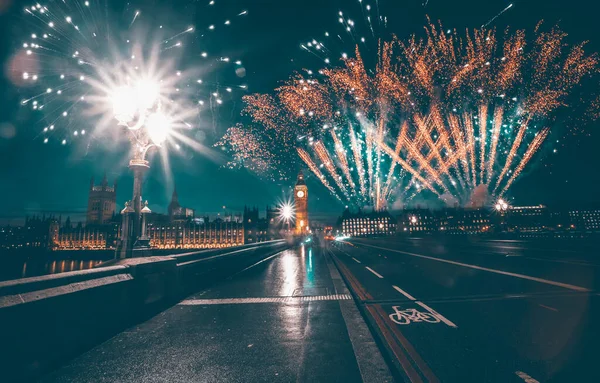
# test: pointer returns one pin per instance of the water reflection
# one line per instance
(291, 314)
(289, 267)
(35, 268)
(297, 270)
(310, 275)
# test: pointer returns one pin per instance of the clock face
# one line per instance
(300, 194)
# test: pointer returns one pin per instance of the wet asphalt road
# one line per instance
(480, 311)
(280, 320)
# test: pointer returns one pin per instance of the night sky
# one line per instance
(36, 178)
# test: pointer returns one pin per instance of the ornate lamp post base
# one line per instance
(143, 242)
(139, 168)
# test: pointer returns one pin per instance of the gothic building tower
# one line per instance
(174, 206)
(102, 202)
(301, 202)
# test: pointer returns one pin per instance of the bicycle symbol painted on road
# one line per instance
(408, 316)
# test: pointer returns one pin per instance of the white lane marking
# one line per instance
(440, 316)
(357, 261)
(404, 293)
(526, 377)
(570, 262)
(374, 272)
(541, 280)
(288, 299)
(547, 307)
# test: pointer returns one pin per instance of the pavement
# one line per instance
(479, 310)
(288, 318)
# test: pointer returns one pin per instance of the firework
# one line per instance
(458, 115)
(78, 56)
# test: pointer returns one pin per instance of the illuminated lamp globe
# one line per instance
(147, 92)
(124, 104)
(158, 127)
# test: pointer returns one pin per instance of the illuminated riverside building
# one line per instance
(418, 221)
(82, 238)
(195, 234)
(585, 219)
(454, 221)
(528, 219)
(465, 221)
(373, 224)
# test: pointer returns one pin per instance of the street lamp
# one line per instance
(286, 213)
(501, 207)
(138, 110)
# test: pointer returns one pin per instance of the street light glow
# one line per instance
(501, 205)
(147, 93)
(124, 104)
(287, 212)
(158, 126)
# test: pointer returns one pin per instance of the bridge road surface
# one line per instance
(288, 318)
(486, 311)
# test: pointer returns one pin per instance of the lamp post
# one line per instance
(286, 214)
(138, 110)
(501, 207)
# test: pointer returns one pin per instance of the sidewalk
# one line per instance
(288, 318)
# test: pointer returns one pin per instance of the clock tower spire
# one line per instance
(301, 202)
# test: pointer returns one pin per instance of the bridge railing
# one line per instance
(46, 320)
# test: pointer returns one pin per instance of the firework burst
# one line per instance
(460, 115)
(79, 55)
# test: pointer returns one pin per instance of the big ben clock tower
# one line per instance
(301, 202)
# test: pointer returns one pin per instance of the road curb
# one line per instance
(371, 363)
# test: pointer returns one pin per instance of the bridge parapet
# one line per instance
(48, 319)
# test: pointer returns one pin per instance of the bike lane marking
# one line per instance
(440, 316)
(410, 350)
(516, 275)
(404, 293)
(374, 272)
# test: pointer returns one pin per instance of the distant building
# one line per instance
(193, 234)
(420, 221)
(102, 202)
(373, 224)
(465, 221)
(178, 212)
(301, 205)
(585, 220)
(34, 234)
(528, 219)
(81, 237)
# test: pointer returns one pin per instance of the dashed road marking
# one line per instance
(526, 377)
(404, 293)
(516, 275)
(356, 260)
(548, 307)
(374, 272)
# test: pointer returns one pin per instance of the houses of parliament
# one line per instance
(180, 228)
